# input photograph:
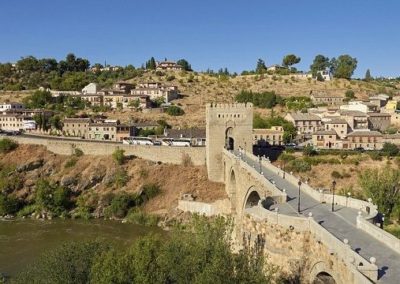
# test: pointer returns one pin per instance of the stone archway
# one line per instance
(252, 198)
(232, 189)
(324, 278)
(229, 140)
(321, 274)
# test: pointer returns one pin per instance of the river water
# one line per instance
(23, 241)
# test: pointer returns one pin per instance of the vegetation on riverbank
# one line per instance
(36, 183)
(200, 252)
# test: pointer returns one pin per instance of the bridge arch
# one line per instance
(252, 197)
(321, 274)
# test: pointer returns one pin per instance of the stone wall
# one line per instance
(383, 236)
(301, 246)
(164, 154)
(219, 207)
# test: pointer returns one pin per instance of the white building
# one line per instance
(11, 106)
(90, 89)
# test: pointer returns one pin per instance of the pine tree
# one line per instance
(368, 76)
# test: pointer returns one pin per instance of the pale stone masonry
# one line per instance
(76, 127)
(305, 123)
(229, 126)
(318, 99)
(271, 136)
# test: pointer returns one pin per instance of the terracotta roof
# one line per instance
(336, 121)
(186, 133)
(77, 120)
(364, 133)
(304, 116)
(325, 132)
(378, 114)
(352, 112)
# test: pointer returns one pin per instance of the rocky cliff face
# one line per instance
(88, 176)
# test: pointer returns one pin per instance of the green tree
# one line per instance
(185, 64)
(383, 186)
(290, 60)
(350, 94)
(70, 263)
(390, 149)
(343, 66)
(151, 64)
(320, 63)
(39, 99)
(261, 68)
(368, 76)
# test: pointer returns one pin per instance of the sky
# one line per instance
(208, 33)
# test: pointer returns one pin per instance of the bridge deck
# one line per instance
(341, 223)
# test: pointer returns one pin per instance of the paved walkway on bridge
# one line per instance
(341, 223)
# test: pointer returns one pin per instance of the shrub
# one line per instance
(118, 156)
(70, 163)
(7, 145)
(121, 178)
(336, 175)
(120, 205)
(390, 149)
(9, 204)
(136, 216)
(175, 111)
(309, 151)
(299, 165)
(78, 152)
(170, 78)
(376, 156)
(186, 160)
(150, 190)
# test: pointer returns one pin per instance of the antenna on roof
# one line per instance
(105, 63)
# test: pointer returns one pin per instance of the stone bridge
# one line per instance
(304, 237)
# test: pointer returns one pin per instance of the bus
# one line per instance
(138, 141)
(176, 142)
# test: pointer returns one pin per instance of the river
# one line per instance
(23, 241)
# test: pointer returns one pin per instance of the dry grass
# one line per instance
(173, 179)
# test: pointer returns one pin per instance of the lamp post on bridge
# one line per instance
(347, 198)
(284, 163)
(333, 195)
(259, 159)
(298, 200)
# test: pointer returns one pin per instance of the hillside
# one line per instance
(197, 89)
(93, 178)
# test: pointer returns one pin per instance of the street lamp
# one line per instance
(298, 200)
(347, 197)
(284, 163)
(333, 195)
(383, 221)
(259, 159)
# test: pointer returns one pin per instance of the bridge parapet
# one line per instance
(277, 194)
(364, 206)
(362, 270)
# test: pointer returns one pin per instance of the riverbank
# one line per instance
(23, 241)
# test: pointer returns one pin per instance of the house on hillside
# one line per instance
(91, 89)
(368, 140)
(76, 127)
(156, 91)
(11, 106)
(268, 136)
(168, 65)
(326, 99)
(305, 123)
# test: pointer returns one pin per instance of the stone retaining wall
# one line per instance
(164, 154)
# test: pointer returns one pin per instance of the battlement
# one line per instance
(217, 106)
